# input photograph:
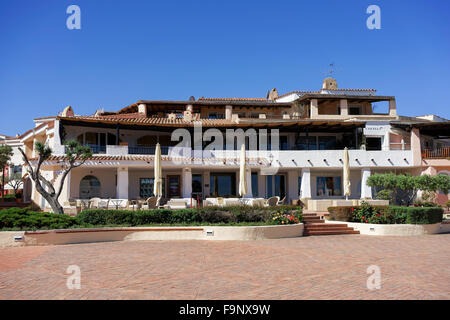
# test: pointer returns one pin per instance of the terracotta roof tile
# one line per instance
(149, 121)
(232, 99)
(148, 158)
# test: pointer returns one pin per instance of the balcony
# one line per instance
(148, 150)
(439, 153)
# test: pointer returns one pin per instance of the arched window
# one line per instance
(90, 187)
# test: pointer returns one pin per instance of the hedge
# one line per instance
(214, 215)
(387, 215)
(24, 219)
(418, 215)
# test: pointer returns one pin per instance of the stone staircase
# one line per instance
(315, 226)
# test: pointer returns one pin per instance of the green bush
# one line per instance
(24, 219)
(418, 215)
(387, 215)
(9, 198)
(213, 215)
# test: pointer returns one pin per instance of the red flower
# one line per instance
(363, 218)
(367, 221)
(353, 209)
(378, 215)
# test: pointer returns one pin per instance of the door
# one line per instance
(173, 186)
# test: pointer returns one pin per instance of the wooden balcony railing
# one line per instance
(440, 153)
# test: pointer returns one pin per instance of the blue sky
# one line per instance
(132, 50)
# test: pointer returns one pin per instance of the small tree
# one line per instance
(76, 155)
(408, 186)
(5, 155)
(15, 181)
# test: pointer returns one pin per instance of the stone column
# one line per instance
(314, 110)
(386, 141)
(366, 191)
(415, 147)
(305, 191)
(187, 183)
(122, 183)
(344, 107)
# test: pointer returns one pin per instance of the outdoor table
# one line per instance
(84, 203)
(117, 202)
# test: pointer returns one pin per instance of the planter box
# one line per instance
(396, 229)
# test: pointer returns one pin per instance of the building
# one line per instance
(15, 164)
(303, 160)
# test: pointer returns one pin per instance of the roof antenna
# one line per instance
(332, 71)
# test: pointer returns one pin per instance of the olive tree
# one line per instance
(15, 181)
(405, 186)
(75, 156)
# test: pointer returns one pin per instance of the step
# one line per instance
(329, 232)
(326, 226)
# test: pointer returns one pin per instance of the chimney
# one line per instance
(329, 84)
(142, 109)
(273, 94)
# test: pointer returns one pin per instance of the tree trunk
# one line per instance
(52, 201)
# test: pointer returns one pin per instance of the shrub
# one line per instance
(214, 215)
(418, 215)
(24, 219)
(387, 215)
(384, 195)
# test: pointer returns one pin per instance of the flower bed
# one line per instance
(387, 215)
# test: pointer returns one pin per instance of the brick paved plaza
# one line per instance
(330, 267)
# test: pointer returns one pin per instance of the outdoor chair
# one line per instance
(272, 202)
(93, 203)
(150, 203)
(103, 203)
(281, 202)
(220, 202)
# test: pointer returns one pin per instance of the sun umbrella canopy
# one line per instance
(242, 173)
(157, 186)
(346, 174)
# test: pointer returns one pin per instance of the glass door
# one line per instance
(173, 186)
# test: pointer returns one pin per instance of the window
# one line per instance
(356, 110)
(90, 187)
(255, 115)
(300, 186)
(216, 115)
(197, 183)
(304, 143)
(276, 186)
(17, 170)
(282, 140)
(254, 184)
(223, 184)
(327, 143)
(146, 187)
(329, 186)
(373, 143)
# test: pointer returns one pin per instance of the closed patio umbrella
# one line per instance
(242, 173)
(346, 174)
(157, 186)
